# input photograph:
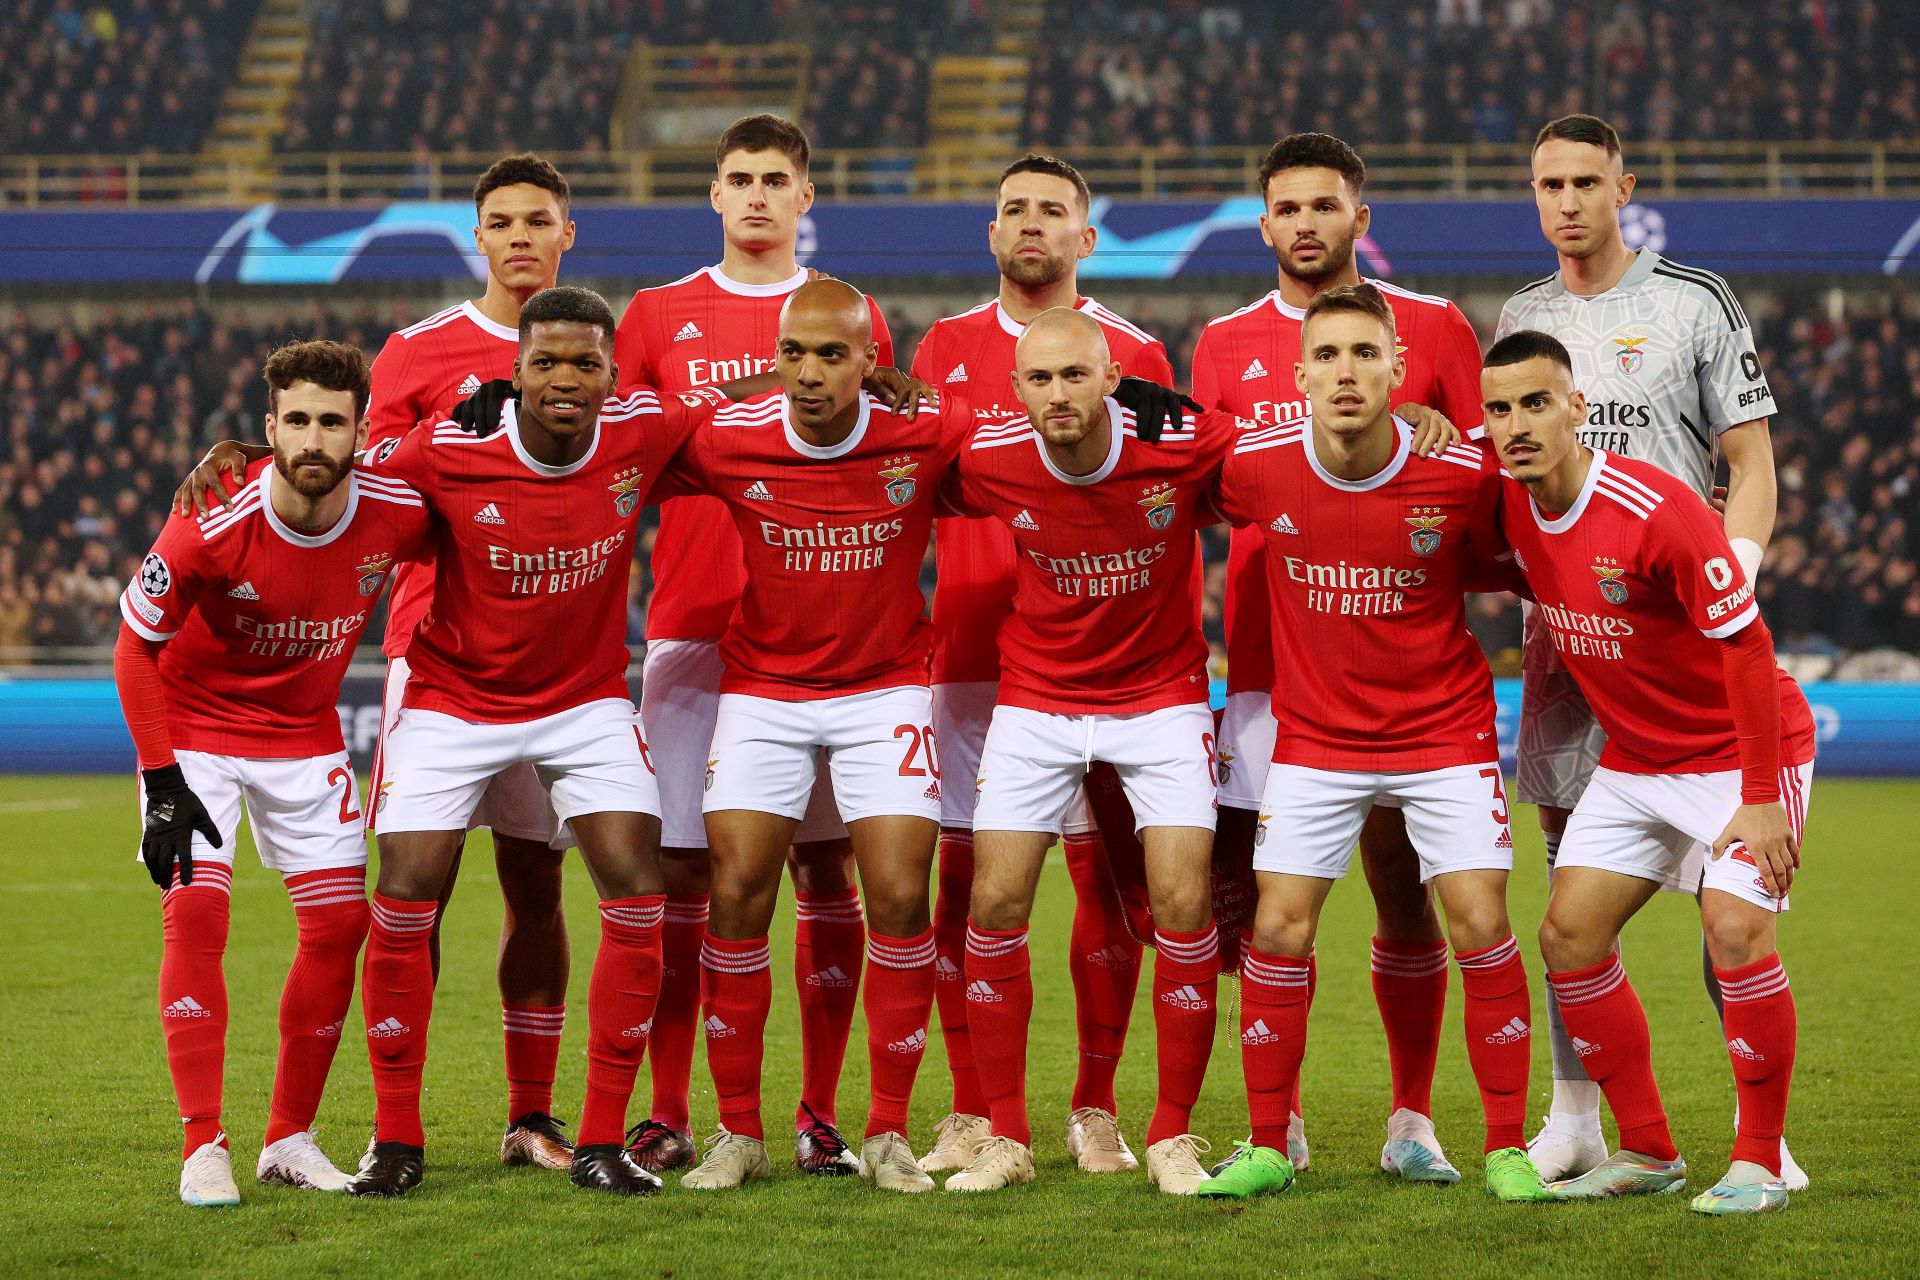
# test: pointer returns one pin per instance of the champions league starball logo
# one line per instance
(901, 486)
(1425, 535)
(626, 493)
(372, 572)
(1158, 502)
(1612, 590)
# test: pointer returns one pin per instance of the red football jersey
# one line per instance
(696, 332)
(834, 539)
(1635, 584)
(419, 375)
(1244, 364)
(530, 579)
(1105, 611)
(971, 356)
(1367, 580)
(261, 620)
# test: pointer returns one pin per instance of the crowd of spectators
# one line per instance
(1200, 73)
(98, 423)
(122, 77)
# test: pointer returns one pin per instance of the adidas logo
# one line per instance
(758, 490)
(1513, 1033)
(1026, 521)
(469, 385)
(333, 1031)
(833, 976)
(980, 993)
(1739, 1048)
(688, 330)
(186, 1007)
(932, 792)
(1505, 841)
(1113, 957)
(1254, 370)
(638, 1033)
(716, 1029)
(1259, 1033)
(387, 1029)
(244, 591)
(1284, 524)
(957, 374)
(915, 1043)
(1583, 1048)
(1186, 997)
(490, 514)
(945, 970)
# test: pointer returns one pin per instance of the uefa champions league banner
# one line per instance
(74, 726)
(1139, 240)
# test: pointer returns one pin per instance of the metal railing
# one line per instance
(947, 172)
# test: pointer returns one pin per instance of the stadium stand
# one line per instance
(99, 421)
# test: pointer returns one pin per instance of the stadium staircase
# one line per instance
(976, 101)
(233, 161)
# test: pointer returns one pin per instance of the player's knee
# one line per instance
(1738, 933)
(686, 871)
(1565, 944)
(1282, 927)
(532, 883)
(340, 927)
(1478, 925)
(821, 867)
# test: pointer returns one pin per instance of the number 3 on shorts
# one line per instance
(1499, 794)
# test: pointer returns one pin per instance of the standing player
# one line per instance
(523, 661)
(1103, 660)
(1666, 360)
(238, 630)
(832, 495)
(1369, 549)
(718, 324)
(1311, 186)
(1038, 237)
(1708, 743)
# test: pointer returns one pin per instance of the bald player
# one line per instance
(1102, 659)
(833, 497)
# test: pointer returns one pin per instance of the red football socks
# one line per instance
(999, 1010)
(1186, 978)
(898, 996)
(677, 1014)
(1103, 960)
(736, 991)
(1274, 999)
(330, 912)
(950, 968)
(1609, 1031)
(396, 997)
(1762, 1030)
(1410, 986)
(829, 936)
(620, 1003)
(1499, 1037)
(193, 996)
(532, 1035)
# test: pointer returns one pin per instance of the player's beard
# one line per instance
(1331, 263)
(306, 484)
(1034, 273)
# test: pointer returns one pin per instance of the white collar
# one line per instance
(778, 289)
(1099, 473)
(1566, 519)
(1402, 450)
(825, 452)
(510, 423)
(504, 332)
(293, 535)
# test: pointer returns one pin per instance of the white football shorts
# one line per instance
(590, 759)
(1247, 731)
(879, 748)
(305, 813)
(1310, 819)
(1035, 762)
(513, 804)
(962, 711)
(1659, 826)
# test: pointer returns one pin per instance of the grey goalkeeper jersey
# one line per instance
(1665, 358)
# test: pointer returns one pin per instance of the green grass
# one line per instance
(89, 1140)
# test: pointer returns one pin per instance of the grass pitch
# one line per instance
(89, 1138)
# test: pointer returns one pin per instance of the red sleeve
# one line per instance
(405, 458)
(1206, 378)
(958, 495)
(1150, 362)
(630, 347)
(882, 337)
(156, 603)
(143, 698)
(1753, 695)
(1491, 567)
(687, 471)
(1459, 372)
(1235, 495)
(1691, 552)
(923, 362)
(391, 411)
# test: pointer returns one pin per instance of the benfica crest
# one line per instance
(626, 492)
(1158, 502)
(1425, 536)
(1630, 357)
(373, 571)
(1612, 590)
(901, 486)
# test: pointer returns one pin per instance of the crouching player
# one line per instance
(238, 630)
(1369, 549)
(1708, 741)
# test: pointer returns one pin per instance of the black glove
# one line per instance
(1153, 405)
(480, 412)
(174, 813)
